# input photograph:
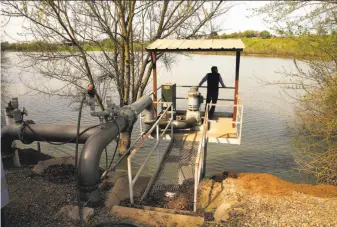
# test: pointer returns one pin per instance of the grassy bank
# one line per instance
(300, 48)
(294, 47)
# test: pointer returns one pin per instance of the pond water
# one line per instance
(266, 144)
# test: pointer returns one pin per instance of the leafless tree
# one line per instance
(119, 31)
(315, 131)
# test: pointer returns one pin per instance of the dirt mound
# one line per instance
(269, 184)
(60, 174)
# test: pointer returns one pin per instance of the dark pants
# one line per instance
(214, 98)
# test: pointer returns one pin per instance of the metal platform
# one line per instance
(178, 166)
(221, 128)
(181, 164)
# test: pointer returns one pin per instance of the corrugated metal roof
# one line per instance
(196, 45)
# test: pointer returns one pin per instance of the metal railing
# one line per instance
(204, 87)
(239, 116)
(199, 162)
(189, 86)
(132, 180)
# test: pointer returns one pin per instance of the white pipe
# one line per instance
(157, 131)
(195, 189)
(200, 159)
(241, 124)
(171, 124)
(140, 123)
(130, 180)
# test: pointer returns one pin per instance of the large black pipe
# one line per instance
(41, 132)
(88, 169)
(89, 177)
(179, 124)
(148, 117)
(95, 140)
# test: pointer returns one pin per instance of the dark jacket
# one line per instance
(213, 80)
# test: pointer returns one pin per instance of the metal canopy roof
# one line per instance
(176, 45)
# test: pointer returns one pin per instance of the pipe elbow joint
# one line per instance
(130, 115)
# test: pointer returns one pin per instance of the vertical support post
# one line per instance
(241, 120)
(38, 147)
(17, 162)
(130, 180)
(171, 123)
(140, 124)
(154, 80)
(196, 183)
(236, 91)
(157, 131)
(203, 173)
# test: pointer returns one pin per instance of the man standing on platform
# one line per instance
(213, 80)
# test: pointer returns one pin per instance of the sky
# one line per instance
(235, 20)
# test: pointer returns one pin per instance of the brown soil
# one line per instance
(269, 184)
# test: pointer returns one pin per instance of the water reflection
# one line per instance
(266, 143)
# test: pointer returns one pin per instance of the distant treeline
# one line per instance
(38, 46)
(29, 46)
(257, 43)
(245, 34)
(109, 44)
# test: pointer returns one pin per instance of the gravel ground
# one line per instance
(35, 199)
(249, 200)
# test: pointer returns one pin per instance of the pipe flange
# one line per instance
(129, 113)
(88, 188)
(22, 133)
(30, 122)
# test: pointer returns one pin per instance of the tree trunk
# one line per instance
(124, 141)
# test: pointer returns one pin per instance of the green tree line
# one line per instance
(245, 34)
(109, 43)
(256, 43)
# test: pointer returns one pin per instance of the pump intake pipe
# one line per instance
(41, 132)
(192, 117)
(179, 124)
(89, 177)
(94, 140)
